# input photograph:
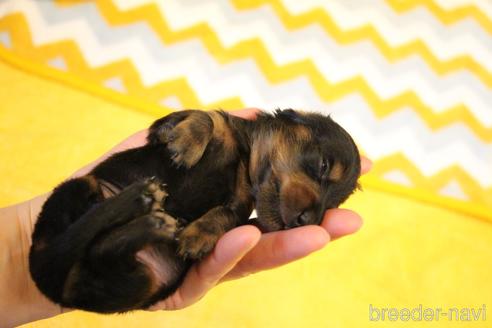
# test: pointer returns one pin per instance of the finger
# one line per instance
(341, 222)
(247, 113)
(365, 164)
(281, 247)
(206, 274)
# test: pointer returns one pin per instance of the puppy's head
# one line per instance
(301, 165)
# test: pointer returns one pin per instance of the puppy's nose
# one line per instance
(299, 219)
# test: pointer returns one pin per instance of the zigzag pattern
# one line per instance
(430, 152)
(303, 74)
(254, 49)
(368, 32)
(445, 16)
(434, 182)
(338, 64)
(17, 26)
(378, 103)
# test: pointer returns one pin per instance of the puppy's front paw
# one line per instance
(187, 140)
(196, 241)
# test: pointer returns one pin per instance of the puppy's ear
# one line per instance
(290, 115)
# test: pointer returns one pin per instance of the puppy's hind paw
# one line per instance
(154, 194)
(163, 225)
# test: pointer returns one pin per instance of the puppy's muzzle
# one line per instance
(298, 202)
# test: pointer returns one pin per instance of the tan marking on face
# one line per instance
(253, 162)
(242, 192)
(302, 132)
(336, 172)
(300, 181)
(281, 148)
(260, 151)
(284, 152)
(298, 193)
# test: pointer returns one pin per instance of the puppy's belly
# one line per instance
(164, 267)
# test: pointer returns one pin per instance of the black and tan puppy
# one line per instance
(123, 236)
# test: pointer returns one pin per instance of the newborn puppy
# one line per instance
(123, 236)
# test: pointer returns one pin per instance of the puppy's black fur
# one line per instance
(123, 236)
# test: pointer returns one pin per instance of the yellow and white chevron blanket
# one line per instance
(411, 80)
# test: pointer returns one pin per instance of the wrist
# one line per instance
(20, 300)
